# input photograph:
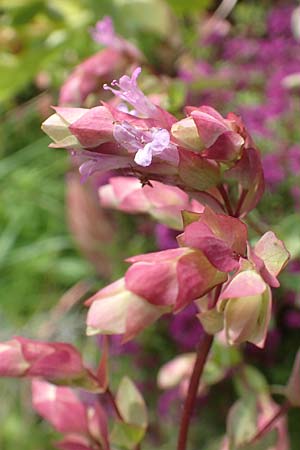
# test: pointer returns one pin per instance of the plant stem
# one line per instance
(114, 404)
(240, 202)
(202, 353)
(225, 198)
(268, 425)
(258, 228)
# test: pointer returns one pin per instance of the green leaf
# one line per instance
(250, 380)
(152, 16)
(288, 230)
(126, 435)
(189, 8)
(290, 281)
(241, 423)
(189, 217)
(265, 443)
(131, 404)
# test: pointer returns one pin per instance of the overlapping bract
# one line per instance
(148, 141)
(84, 424)
(244, 305)
(57, 362)
(169, 280)
(164, 203)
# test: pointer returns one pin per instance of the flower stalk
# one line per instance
(202, 354)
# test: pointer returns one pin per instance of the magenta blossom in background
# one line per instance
(294, 160)
(279, 21)
(273, 170)
(165, 237)
(104, 33)
(292, 319)
(186, 329)
(167, 401)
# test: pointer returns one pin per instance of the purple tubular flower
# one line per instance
(130, 93)
(145, 143)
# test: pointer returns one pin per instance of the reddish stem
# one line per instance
(202, 353)
(114, 404)
(268, 425)
(240, 202)
(117, 412)
(226, 200)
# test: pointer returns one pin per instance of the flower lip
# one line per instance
(129, 91)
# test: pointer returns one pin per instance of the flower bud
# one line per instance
(161, 201)
(117, 310)
(57, 127)
(68, 413)
(246, 305)
(55, 361)
(186, 134)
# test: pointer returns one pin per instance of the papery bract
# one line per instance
(117, 310)
(172, 277)
(246, 304)
(57, 362)
(57, 126)
(161, 201)
(68, 414)
(155, 283)
(207, 131)
(94, 127)
(221, 238)
(270, 256)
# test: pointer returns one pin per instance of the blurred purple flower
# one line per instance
(104, 32)
(273, 170)
(269, 354)
(292, 319)
(165, 237)
(279, 21)
(294, 159)
(117, 348)
(167, 401)
(186, 329)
